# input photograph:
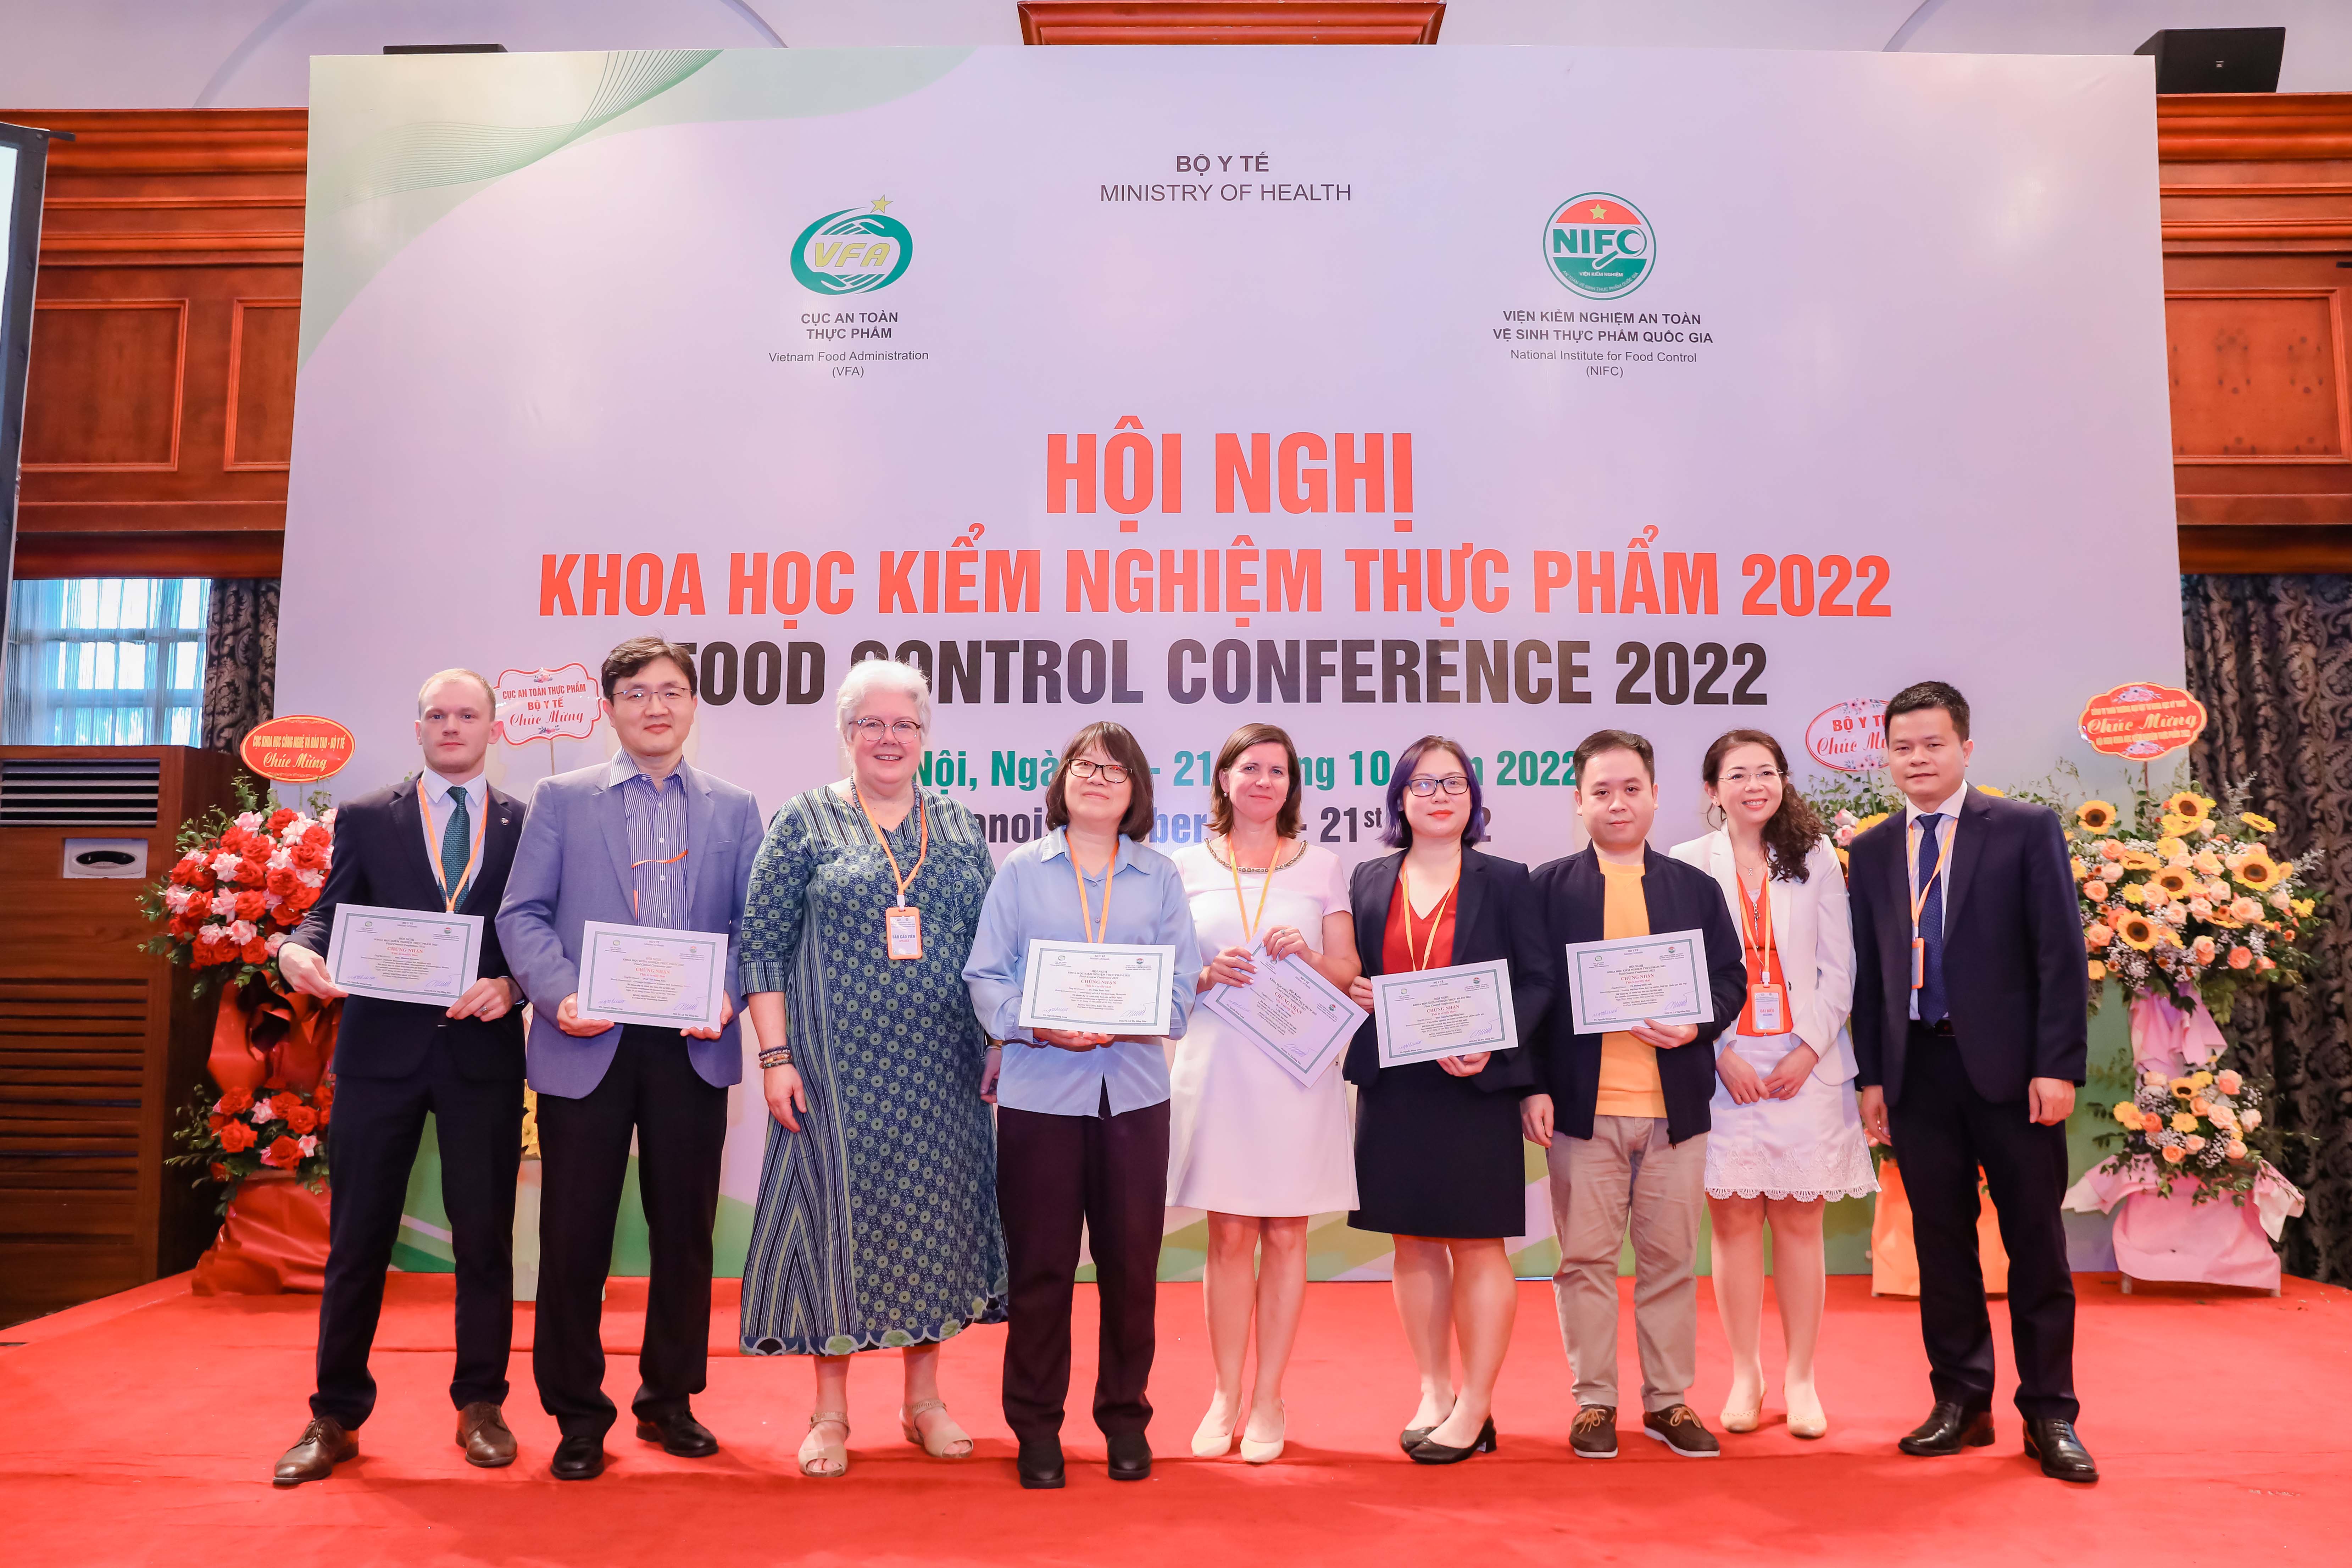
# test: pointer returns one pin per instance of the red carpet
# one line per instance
(143, 1428)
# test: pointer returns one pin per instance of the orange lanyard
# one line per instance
(1920, 896)
(907, 880)
(450, 896)
(1436, 918)
(1086, 906)
(1759, 936)
(1234, 864)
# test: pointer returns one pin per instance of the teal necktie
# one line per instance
(455, 840)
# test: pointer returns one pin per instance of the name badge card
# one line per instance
(903, 931)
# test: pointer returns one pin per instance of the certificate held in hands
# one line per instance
(404, 955)
(1633, 980)
(645, 974)
(1097, 987)
(1289, 1012)
(1422, 1015)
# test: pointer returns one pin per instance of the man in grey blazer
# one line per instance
(644, 839)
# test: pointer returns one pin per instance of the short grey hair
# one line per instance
(868, 676)
(489, 692)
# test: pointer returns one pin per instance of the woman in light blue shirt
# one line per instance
(1082, 1118)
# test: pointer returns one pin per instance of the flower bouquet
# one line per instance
(2183, 906)
(2182, 899)
(241, 885)
(242, 1133)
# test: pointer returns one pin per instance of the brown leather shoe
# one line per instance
(482, 1433)
(325, 1443)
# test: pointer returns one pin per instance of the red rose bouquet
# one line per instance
(241, 885)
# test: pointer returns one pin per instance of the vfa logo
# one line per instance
(1600, 246)
(853, 252)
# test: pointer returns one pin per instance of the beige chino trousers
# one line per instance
(1628, 1171)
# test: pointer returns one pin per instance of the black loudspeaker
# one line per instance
(2216, 59)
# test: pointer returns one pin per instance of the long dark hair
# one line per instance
(1398, 833)
(1221, 804)
(1790, 833)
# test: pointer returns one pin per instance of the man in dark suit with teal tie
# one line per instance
(441, 841)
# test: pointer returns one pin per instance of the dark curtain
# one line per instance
(2272, 657)
(240, 658)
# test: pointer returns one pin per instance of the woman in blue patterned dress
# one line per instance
(877, 1226)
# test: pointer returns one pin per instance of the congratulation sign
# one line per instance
(300, 749)
(546, 704)
(2142, 721)
(1851, 736)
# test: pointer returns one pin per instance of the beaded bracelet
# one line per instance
(777, 1056)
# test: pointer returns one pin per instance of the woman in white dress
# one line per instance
(1245, 1141)
(1786, 1137)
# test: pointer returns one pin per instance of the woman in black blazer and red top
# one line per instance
(1438, 1163)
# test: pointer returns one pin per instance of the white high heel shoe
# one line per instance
(1806, 1417)
(1211, 1440)
(1261, 1451)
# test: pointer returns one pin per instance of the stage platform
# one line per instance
(141, 1429)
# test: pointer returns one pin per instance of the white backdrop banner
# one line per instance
(1505, 394)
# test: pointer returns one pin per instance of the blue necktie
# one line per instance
(1931, 922)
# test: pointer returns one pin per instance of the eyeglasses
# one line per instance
(1109, 772)
(1738, 776)
(638, 696)
(871, 731)
(1452, 783)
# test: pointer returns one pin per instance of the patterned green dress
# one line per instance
(877, 1224)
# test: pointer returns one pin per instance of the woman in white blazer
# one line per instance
(1786, 1137)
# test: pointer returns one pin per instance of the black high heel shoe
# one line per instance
(1428, 1453)
(1411, 1436)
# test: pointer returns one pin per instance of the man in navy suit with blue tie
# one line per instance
(1970, 1004)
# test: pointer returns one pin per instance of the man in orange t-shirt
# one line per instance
(1622, 1116)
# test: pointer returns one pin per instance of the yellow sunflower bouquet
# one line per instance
(2182, 896)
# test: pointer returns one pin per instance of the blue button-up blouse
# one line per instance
(1036, 895)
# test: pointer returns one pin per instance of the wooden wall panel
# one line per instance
(2257, 209)
(104, 387)
(183, 226)
(2256, 374)
(262, 343)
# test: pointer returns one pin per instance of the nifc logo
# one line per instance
(853, 252)
(1599, 246)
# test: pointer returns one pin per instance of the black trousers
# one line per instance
(370, 1147)
(1944, 1130)
(652, 1091)
(1054, 1173)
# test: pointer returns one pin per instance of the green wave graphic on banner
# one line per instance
(450, 153)
(398, 143)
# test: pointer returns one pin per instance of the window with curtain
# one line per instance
(105, 661)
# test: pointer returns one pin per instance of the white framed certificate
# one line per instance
(1631, 980)
(1289, 1012)
(1097, 987)
(404, 955)
(651, 975)
(1422, 1015)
